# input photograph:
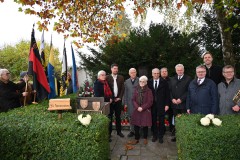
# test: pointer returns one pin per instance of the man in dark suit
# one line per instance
(116, 83)
(178, 92)
(160, 91)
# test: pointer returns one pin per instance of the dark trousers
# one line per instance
(170, 117)
(137, 132)
(115, 108)
(158, 130)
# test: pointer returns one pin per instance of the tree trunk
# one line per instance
(227, 46)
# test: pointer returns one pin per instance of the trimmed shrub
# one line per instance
(197, 142)
(32, 132)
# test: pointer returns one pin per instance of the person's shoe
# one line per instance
(131, 134)
(174, 139)
(109, 140)
(154, 139)
(120, 134)
(160, 140)
(133, 142)
(145, 141)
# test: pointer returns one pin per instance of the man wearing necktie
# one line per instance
(116, 83)
(160, 91)
(202, 97)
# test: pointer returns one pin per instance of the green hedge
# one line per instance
(196, 142)
(33, 132)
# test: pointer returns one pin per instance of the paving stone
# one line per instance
(134, 158)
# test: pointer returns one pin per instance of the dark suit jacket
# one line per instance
(179, 89)
(120, 84)
(99, 90)
(162, 94)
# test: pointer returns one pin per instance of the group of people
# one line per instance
(148, 101)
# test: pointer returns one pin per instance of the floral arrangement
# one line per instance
(206, 121)
(85, 120)
(86, 90)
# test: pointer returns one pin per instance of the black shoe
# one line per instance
(109, 140)
(120, 134)
(131, 134)
(154, 139)
(160, 140)
(174, 139)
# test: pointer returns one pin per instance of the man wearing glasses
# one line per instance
(227, 90)
(9, 97)
(202, 94)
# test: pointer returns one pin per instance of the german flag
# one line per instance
(35, 68)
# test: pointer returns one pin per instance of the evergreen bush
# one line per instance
(33, 132)
(197, 142)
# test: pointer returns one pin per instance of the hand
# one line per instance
(235, 108)
(179, 101)
(25, 94)
(174, 101)
(139, 109)
(25, 78)
(117, 99)
(166, 108)
(110, 100)
(188, 111)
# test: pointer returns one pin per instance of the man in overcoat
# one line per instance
(130, 85)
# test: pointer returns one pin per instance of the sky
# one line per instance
(16, 26)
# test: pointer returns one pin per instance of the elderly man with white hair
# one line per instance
(130, 85)
(9, 97)
(161, 101)
(141, 116)
(179, 88)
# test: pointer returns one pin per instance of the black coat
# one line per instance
(215, 73)
(9, 95)
(179, 89)
(162, 94)
(99, 90)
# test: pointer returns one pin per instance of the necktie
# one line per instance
(198, 82)
(155, 86)
(115, 87)
(179, 77)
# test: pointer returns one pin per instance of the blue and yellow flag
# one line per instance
(51, 74)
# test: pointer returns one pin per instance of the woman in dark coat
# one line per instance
(9, 97)
(101, 87)
(141, 116)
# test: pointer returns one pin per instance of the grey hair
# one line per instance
(143, 78)
(179, 65)
(100, 72)
(4, 70)
(132, 69)
(201, 66)
(155, 69)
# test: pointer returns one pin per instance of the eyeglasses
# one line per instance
(201, 71)
(142, 81)
(229, 72)
(7, 73)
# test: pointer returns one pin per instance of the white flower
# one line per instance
(210, 116)
(85, 120)
(205, 121)
(216, 122)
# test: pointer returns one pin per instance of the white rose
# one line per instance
(205, 121)
(210, 116)
(216, 122)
